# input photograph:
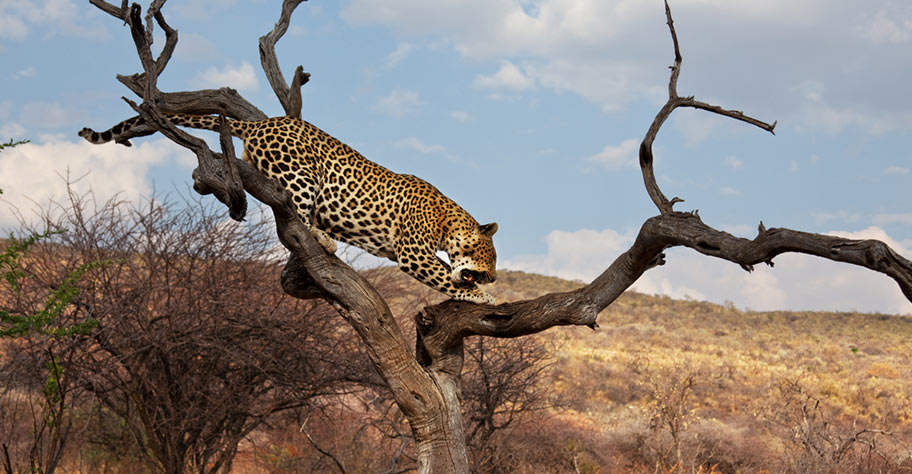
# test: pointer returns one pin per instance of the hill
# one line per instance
(662, 386)
(687, 385)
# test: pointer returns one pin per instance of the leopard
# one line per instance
(341, 195)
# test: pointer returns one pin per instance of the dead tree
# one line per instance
(425, 384)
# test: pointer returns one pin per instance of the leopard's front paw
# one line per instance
(324, 240)
(477, 297)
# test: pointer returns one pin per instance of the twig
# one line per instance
(403, 442)
(116, 12)
(318, 448)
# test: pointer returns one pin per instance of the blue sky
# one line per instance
(528, 113)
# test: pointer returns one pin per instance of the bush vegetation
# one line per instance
(190, 359)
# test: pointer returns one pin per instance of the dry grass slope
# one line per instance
(665, 386)
(687, 386)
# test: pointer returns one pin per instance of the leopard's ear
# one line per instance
(488, 230)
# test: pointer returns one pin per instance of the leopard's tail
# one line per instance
(135, 127)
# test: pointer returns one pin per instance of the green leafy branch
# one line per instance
(11, 143)
(42, 321)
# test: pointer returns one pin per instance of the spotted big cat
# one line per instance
(341, 195)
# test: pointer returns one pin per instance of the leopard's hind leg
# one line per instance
(301, 180)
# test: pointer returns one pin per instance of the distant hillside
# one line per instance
(744, 391)
(662, 386)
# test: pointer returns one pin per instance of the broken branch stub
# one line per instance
(289, 97)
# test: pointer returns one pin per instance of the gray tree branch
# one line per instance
(289, 97)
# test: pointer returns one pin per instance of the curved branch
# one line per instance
(170, 43)
(213, 176)
(691, 232)
(206, 102)
(442, 327)
(225, 101)
(735, 114)
(143, 42)
(674, 101)
(289, 97)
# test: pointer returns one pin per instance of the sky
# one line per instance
(527, 113)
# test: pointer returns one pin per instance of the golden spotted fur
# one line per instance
(344, 196)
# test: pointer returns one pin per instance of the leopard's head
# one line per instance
(472, 256)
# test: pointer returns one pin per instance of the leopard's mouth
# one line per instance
(475, 277)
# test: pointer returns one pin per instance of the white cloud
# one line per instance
(616, 52)
(31, 174)
(729, 191)
(836, 119)
(242, 77)
(11, 130)
(871, 233)
(399, 103)
(54, 17)
(616, 156)
(398, 55)
(12, 27)
(26, 72)
(896, 170)
(580, 255)
(733, 162)
(662, 286)
(460, 115)
(416, 144)
(798, 282)
(568, 36)
(194, 48)
(507, 77)
(695, 125)
(888, 26)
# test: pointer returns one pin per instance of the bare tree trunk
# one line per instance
(426, 385)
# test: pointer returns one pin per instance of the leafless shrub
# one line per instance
(502, 384)
(37, 397)
(195, 347)
(819, 438)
